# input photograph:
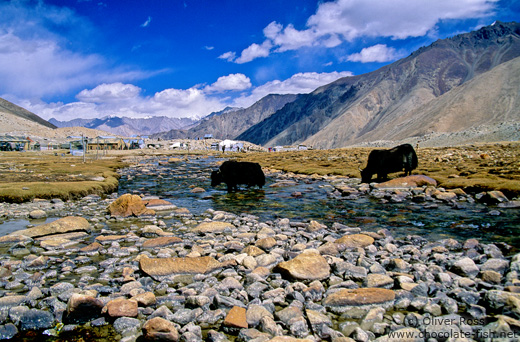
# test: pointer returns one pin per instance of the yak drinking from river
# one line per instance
(233, 173)
(383, 162)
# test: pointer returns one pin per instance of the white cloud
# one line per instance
(398, 19)
(126, 100)
(300, 83)
(234, 82)
(288, 38)
(228, 56)
(345, 20)
(377, 53)
(109, 93)
(147, 22)
(254, 51)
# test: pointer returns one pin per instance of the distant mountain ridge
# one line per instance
(229, 124)
(125, 126)
(366, 107)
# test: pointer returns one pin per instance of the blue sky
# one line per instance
(187, 58)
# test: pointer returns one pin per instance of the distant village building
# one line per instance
(300, 147)
(176, 145)
(230, 145)
(133, 144)
(13, 143)
(102, 143)
(208, 136)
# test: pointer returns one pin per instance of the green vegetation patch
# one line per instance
(25, 176)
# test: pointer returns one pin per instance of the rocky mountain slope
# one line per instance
(14, 118)
(17, 121)
(229, 124)
(129, 126)
(425, 92)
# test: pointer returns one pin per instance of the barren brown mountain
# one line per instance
(15, 120)
(434, 89)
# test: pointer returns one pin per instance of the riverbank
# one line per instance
(45, 175)
(222, 276)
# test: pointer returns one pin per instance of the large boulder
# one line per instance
(167, 268)
(82, 308)
(129, 205)
(121, 307)
(309, 265)
(362, 299)
(354, 241)
(212, 227)
(64, 225)
(408, 182)
(160, 329)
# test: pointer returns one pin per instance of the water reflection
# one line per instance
(311, 200)
(9, 227)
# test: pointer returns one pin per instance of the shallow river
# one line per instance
(432, 220)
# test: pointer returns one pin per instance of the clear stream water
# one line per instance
(433, 221)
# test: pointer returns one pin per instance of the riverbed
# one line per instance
(314, 198)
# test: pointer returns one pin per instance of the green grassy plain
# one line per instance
(28, 175)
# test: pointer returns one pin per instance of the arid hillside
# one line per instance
(452, 85)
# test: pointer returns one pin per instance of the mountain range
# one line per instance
(454, 85)
(13, 117)
(231, 123)
(127, 127)
(448, 86)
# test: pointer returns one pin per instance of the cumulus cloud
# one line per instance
(233, 82)
(398, 19)
(288, 38)
(345, 20)
(115, 92)
(254, 51)
(377, 53)
(126, 100)
(228, 56)
(300, 83)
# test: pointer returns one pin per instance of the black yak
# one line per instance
(383, 162)
(233, 173)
